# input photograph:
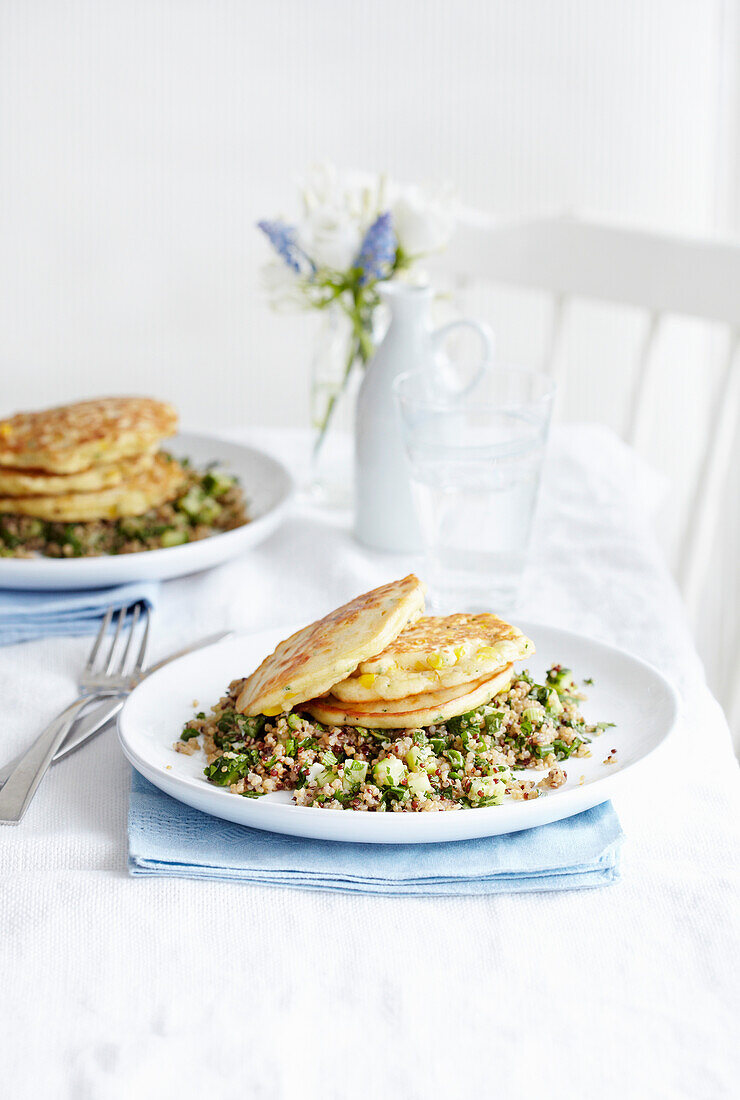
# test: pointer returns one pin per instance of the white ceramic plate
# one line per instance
(626, 691)
(267, 485)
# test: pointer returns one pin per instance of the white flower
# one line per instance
(283, 287)
(331, 237)
(359, 195)
(423, 222)
(338, 207)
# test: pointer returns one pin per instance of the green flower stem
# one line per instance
(361, 347)
(354, 353)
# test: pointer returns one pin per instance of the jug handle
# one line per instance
(488, 344)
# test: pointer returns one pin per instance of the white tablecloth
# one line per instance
(116, 987)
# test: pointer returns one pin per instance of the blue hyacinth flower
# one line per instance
(283, 239)
(378, 250)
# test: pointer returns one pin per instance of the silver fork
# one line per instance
(98, 680)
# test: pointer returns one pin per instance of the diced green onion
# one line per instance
(560, 678)
(419, 785)
(353, 773)
(172, 537)
(553, 703)
(486, 790)
(534, 715)
(455, 757)
(389, 771)
(216, 485)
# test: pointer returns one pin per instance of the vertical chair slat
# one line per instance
(641, 379)
(701, 524)
(733, 707)
(554, 335)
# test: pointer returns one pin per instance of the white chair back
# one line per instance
(571, 258)
(661, 275)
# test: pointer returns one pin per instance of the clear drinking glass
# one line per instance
(476, 440)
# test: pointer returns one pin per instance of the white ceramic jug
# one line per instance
(384, 512)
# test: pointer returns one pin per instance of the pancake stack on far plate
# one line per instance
(89, 461)
(377, 662)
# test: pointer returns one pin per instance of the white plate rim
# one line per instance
(320, 824)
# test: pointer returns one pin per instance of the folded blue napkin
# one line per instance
(168, 838)
(25, 615)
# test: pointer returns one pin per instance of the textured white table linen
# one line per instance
(136, 988)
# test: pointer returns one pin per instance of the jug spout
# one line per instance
(406, 297)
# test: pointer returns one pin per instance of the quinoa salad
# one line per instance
(478, 759)
(209, 503)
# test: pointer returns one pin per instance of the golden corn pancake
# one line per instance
(132, 497)
(439, 643)
(36, 483)
(71, 438)
(317, 657)
(469, 696)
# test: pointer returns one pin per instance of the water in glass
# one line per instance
(475, 469)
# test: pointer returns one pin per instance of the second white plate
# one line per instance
(267, 486)
(626, 691)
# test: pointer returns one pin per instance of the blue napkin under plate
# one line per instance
(26, 615)
(168, 838)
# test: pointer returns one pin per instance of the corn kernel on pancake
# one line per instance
(70, 438)
(133, 497)
(332, 712)
(309, 662)
(463, 641)
(21, 483)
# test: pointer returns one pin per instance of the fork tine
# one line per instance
(98, 641)
(144, 641)
(127, 647)
(116, 636)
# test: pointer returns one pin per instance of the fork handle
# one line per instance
(82, 731)
(16, 795)
(89, 725)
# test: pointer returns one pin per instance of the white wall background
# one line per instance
(140, 140)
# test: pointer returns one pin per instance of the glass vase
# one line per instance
(336, 373)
